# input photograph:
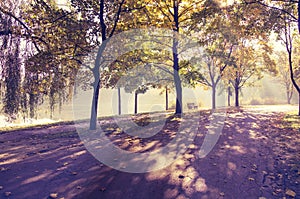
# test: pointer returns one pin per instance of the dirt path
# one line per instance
(253, 158)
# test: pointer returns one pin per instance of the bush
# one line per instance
(255, 102)
(270, 101)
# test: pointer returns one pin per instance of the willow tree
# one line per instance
(62, 43)
(10, 45)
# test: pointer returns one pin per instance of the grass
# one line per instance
(140, 117)
(291, 120)
(6, 129)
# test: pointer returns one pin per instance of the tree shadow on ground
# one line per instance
(254, 157)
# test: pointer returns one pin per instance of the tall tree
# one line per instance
(288, 42)
(175, 15)
(284, 74)
(10, 58)
(287, 15)
(245, 66)
(222, 30)
(219, 44)
(109, 17)
(51, 68)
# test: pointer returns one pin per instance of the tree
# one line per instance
(10, 59)
(50, 70)
(243, 69)
(288, 13)
(175, 15)
(140, 90)
(125, 65)
(55, 43)
(284, 75)
(287, 39)
(223, 33)
(219, 47)
(107, 18)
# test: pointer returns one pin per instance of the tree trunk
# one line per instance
(292, 75)
(236, 89)
(135, 102)
(94, 110)
(96, 72)
(288, 97)
(119, 101)
(177, 80)
(213, 100)
(298, 10)
(71, 88)
(299, 104)
(289, 49)
(167, 99)
(228, 97)
(178, 87)
(32, 105)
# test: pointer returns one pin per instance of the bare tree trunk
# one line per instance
(167, 99)
(119, 101)
(96, 72)
(292, 75)
(213, 100)
(236, 89)
(135, 102)
(299, 104)
(288, 97)
(288, 44)
(228, 97)
(32, 105)
(71, 88)
(177, 80)
(94, 111)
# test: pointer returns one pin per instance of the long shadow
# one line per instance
(254, 157)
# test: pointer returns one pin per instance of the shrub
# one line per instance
(255, 102)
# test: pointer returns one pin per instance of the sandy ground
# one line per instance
(255, 157)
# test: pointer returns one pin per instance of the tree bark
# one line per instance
(289, 48)
(95, 70)
(298, 9)
(94, 110)
(213, 100)
(32, 105)
(177, 80)
(236, 90)
(135, 102)
(292, 74)
(167, 99)
(228, 97)
(288, 97)
(178, 89)
(299, 104)
(119, 101)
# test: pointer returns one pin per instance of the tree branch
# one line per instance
(117, 17)
(272, 7)
(22, 24)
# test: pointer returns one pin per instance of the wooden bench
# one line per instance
(192, 106)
